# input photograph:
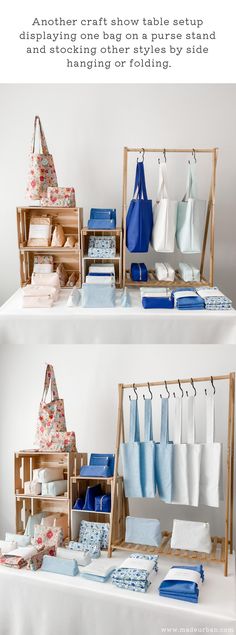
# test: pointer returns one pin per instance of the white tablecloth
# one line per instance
(133, 325)
(50, 604)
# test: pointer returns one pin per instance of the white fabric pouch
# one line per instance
(143, 531)
(191, 535)
(82, 557)
(32, 488)
(46, 279)
(47, 474)
(164, 271)
(21, 540)
(54, 488)
(188, 273)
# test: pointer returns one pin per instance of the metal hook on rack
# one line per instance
(194, 155)
(135, 392)
(192, 384)
(181, 389)
(213, 386)
(142, 153)
(149, 389)
(164, 154)
(167, 390)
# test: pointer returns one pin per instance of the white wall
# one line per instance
(87, 380)
(86, 128)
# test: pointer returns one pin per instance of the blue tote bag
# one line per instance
(139, 221)
(130, 454)
(147, 454)
(164, 456)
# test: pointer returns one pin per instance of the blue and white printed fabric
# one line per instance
(136, 572)
(93, 549)
(214, 299)
(91, 533)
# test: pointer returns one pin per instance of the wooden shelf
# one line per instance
(153, 282)
(105, 258)
(217, 553)
(50, 250)
(108, 232)
(44, 497)
(108, 479)
(117, 259)
(87, 511)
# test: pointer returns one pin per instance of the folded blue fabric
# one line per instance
(190, 302)
(181, 589)
(53, 564)
(157, 303)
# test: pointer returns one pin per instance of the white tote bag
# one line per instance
(180, 462)
(193, 454)
(190, 218)
(211, 473)
(164, 217)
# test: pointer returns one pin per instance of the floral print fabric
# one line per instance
(42, 173)
(94, 532)
(47, 536)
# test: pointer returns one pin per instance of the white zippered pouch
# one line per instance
(191, 535)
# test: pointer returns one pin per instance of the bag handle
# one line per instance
(191, 183)
(164, 438)
(210, 419)
(134, 430)
(162, 190)
(148, 428)
(190, 413)
(140, 190)
(177, 431)
(37, 123)
(50, 380)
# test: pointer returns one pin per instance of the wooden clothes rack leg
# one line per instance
(223, 544)
(209, 222)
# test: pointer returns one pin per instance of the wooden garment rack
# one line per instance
(120, 506)
(209, 222)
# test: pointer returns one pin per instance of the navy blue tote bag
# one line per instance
(139, 219)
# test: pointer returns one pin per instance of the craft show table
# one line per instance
(36, 603)
(134, 325)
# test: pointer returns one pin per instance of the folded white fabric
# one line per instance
(32, 488)
(188, 273)
(23, 552)
(102, 268)
(98, 571)
(6, 546)
(46, 279)
(191, 535)
(82, 557)
(20, 539)
(54, 488)
(161, 292)
(164, 271)
(47, 474)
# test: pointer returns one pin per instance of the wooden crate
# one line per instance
(24, 464)
(87, 260)
(71, 219)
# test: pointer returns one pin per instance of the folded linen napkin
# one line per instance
(136, 572)
(54, 564)
(182, 583)
(83, 558)
(187, 299)
(16, 562)
(98, 571)
(214, 299)
(24, 552)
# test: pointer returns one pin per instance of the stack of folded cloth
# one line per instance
(214, 299)
(18, 558)
(187, 298)
(182, 583)
(101, 274)
(98, 571)
(156, 298)
(136, 572)
(82, 557)
(42, 292)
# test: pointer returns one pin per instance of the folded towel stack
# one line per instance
(136, 572)
(187, 299)
(214, 300)
(156, 298)
(182, 583)
(98, 571)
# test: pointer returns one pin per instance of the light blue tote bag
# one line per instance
(130, 454)
(147, 454)
(164, 456)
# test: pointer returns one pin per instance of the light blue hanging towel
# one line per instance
(130, 454)
(164, 456)
(147, 454)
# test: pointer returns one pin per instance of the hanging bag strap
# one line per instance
(50, 380)
(191, 419)
(210, 419)
(134, 431)
(140, 190)
(162, 190)
(177, 431)
(164, 438)
(38, 125)
(148, 428)
(191, 183)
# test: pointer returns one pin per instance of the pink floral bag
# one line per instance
(42, 173)
(51, 431)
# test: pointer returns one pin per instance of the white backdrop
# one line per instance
(86, 128)
(87, 380)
